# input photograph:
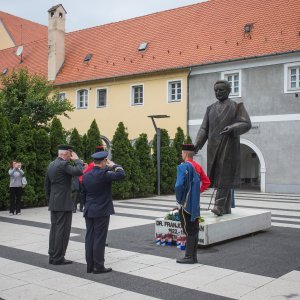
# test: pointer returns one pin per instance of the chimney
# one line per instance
(56, 40)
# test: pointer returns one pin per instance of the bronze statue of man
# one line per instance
(223, 123)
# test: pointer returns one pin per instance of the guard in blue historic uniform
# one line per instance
(97, 195)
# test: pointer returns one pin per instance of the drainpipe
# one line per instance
(188, 101)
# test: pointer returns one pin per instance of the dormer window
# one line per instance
(88, 57)
(143, 46)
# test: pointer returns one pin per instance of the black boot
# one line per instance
(189, 251)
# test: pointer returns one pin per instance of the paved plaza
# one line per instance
(265, 265)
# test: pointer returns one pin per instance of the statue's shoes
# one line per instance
(217, 211)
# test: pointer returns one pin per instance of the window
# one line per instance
(61, 96)
(292, 78)
(82, 99)
(101, 97)
(174, 91)
(137, 94)
(234, 78)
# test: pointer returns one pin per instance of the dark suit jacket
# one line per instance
(96, 190)
(58, 184)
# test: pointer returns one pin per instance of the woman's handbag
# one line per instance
(24, 181)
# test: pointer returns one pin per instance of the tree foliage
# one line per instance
(42, 149)
(25, 153)
(85, 154)
(76, 141)
(121, 154)
(168, 162)
(4, 161)
(57, 136)
(188, 140)
(93, 139)
(177, 143)
(143, 155)
(33, 96)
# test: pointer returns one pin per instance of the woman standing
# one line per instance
(15, 187)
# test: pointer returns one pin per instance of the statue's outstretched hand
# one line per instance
(226, 130)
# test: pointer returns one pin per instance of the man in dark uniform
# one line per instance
(59, 198)
(223, 123)
(96, 189)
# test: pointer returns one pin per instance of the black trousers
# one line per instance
(15, 195)
(223, 199)
(190, 228)
(61, 222)
(96, 233)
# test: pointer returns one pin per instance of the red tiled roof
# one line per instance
(34, 58)
(192, 35)
(31, 31)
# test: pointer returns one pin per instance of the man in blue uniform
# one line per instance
(97, 195)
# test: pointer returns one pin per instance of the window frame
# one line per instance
(169, 89)
(287, 79)
(62, 93)
(132, 87)
(224, 76)
(77, 99)
(97, 102)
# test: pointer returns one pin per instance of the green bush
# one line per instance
(168, 163)
(121, 154)
(93, 140)
(143, 155)
(76, 141)
(57, 136)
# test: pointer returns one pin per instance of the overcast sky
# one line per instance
(83, 14)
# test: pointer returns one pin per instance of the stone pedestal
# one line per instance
(216, 229)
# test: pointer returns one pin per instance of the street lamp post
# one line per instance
(158, 140)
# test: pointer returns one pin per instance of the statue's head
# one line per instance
(222, 90)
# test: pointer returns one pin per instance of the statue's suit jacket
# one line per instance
(223, 151)
(58, 183)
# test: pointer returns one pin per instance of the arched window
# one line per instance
(82, 99)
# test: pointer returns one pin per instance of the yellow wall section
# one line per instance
(5, 39)
(119, 107)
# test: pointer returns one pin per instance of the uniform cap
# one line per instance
(100, 155)
(65, 147)
(188, 147)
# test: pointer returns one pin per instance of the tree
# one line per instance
(168, 163)
(93, 139)
(135, 174)
(121, 149)
(57, 136)
(143, 155)
(177, 143)
(25, 153)
(188, 140)
(76, 141)
(4, 161)
(86, 156)
(33, 96)
(42, 149)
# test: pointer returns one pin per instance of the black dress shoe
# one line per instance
(50, 260)
(62, 262)
(102, 270)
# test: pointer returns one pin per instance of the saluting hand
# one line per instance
(73, 156)
(109, 163)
